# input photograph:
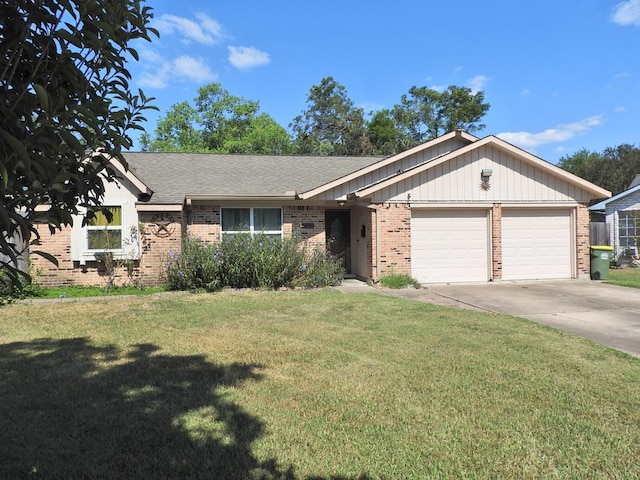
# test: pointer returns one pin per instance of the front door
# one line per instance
(337, 223)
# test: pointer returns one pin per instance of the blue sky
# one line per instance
(559, 75)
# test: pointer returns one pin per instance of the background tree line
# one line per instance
(331, 124)
(613, 169)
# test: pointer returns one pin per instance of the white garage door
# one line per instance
(536, 244)
(450, 246)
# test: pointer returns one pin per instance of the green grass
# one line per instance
(307, 384)
(78, 291)
(625, 277)
(399, 280)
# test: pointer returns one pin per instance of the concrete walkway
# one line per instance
(605, 313)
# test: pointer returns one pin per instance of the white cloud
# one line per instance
(438, 88)
(525, 92)
(180, 68)
(561, 133)
(621, 109)
(627, 13)
(477, 83)
(192, 69)
(149, 55)
(245, 58)
(206, 31)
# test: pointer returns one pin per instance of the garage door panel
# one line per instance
(449, 246)
(536, 244)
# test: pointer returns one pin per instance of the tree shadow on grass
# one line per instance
(70, 409)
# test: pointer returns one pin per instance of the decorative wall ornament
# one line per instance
(163, 225)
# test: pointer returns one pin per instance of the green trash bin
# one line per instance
(601, 256)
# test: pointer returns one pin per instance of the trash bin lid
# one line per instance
(601, 247)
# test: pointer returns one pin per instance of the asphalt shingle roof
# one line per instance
(173, 176)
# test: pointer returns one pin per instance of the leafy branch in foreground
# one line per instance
(64, 91)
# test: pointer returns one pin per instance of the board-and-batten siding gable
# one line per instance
(388, 170)
(458, 180)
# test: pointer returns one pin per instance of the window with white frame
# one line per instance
(628, 228)
(104, 235)
(252, 220)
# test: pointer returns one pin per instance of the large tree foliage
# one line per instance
(64, 92)
(426, 113)
(217, 122)
(613, 169)
(383, 133)
(331, 124)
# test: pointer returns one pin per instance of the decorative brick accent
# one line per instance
(496, 242)
(395, 241)
(582, 241)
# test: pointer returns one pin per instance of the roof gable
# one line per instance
(459, 135)
(486, 141)
(601, 206)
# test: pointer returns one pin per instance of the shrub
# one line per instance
(321, 270)
(10, 290)
(398, 280)
(245, 261)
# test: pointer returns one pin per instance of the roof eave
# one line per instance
(128, 175)
(251, 197)
(603, 204)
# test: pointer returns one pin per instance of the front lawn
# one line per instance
(306, 384)
(625, 277)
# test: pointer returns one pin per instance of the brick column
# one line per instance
(496, 242)
(395, 238)
(582, 241)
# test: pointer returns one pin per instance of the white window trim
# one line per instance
(252, 231)
(127, 251)
(89, 228)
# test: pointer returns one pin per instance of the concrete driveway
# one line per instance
(605, 313)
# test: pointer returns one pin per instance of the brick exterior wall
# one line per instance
(147, 271)
(58, 245)
(395, 238)
(582, 241)
(158, 244)
(204, 222)
(496, 242)
(307, 222)
(69, 272)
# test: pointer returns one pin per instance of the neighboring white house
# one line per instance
(622, 213)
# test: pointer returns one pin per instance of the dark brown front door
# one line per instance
(338, 235)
